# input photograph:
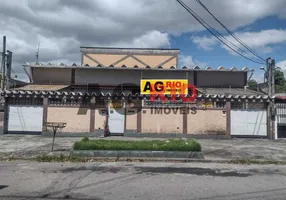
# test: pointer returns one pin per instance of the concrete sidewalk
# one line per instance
(26, 146)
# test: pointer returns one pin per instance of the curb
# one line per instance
(137, 154)
(146, 159)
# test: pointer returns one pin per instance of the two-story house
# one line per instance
(105, 87)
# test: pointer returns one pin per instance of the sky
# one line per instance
(62, 26)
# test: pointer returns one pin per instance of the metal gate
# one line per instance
(248, 123)
(281, 119)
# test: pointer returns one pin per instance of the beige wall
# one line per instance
(105, 59)
(99, 119)
(130, 62)
(77, 119)
(131, 120)
(161, 123)
(153, 61)
(207, 122)
(109, 59)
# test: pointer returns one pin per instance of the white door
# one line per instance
(248, 122)
(25, 119)
(116, 120)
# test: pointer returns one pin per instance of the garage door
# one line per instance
(25, 119)
(248, 123)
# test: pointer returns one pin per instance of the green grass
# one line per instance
(155, 145)
(59, 158)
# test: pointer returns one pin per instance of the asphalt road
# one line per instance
(128, 180)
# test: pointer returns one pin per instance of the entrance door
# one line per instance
(116, 120)
(25, 119)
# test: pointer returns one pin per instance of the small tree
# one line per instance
(252, 84)
(280, 82)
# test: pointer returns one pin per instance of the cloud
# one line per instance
(151, 39)
(261, 41)
(63, 26)
(188, 61)
(205, 43)
(281, 64)
(258, 75)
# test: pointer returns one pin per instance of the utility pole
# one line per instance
(269, 107)
(269, 75)
(272, 103)
(3, 64)
(272, 77)
(9, 69)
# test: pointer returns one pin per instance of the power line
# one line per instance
(231, 33)
(205, 24)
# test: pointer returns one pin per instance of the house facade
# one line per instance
(105, 88)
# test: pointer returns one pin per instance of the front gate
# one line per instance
(281, 119)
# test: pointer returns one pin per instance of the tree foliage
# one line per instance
(252, 84)
(280, 81)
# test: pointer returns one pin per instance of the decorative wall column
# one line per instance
(139, 119)
(228, 118)
(92, 114)
(45, 113)
(185, 120)
(6, 116)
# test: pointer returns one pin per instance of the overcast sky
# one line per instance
(62, 26)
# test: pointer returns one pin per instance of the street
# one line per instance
(128, 180)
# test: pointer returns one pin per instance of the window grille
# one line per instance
(69, 102)
(26, 101)
(167, 103)
(237, 105)
(220, 104)
(255, 105)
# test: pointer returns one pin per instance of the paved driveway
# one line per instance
(27, 146)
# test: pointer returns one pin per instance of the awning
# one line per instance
(80, 95)
(229, 91)
(35, 87)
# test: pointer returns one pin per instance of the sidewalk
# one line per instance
(24, 146)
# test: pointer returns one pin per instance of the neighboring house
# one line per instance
(263, 87)
(83, 97)
(280, 105)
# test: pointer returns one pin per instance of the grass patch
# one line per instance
(154, 145)
(60, 158)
